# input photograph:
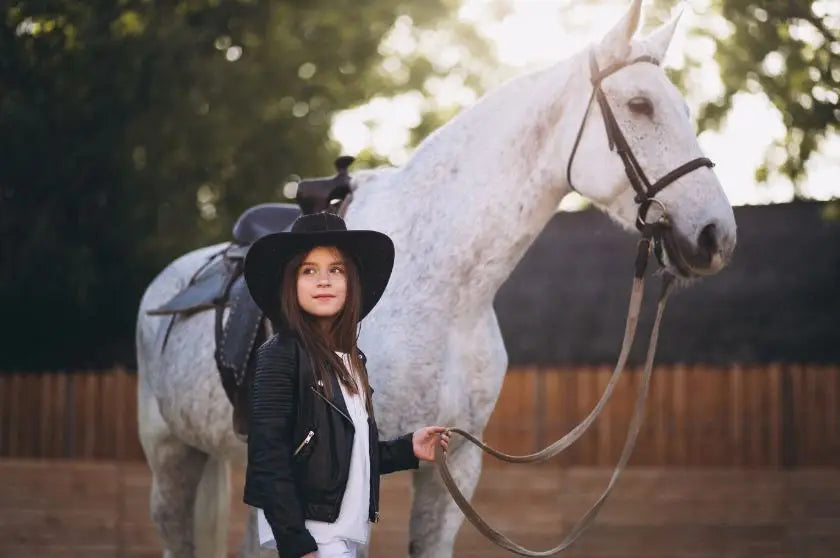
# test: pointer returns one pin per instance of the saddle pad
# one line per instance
(200, 294)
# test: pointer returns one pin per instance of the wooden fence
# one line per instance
(81, 415)
(698, 416)
(777, 416)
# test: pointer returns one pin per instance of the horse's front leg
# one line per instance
(435, 518)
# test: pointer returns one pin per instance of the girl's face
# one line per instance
(322, 282)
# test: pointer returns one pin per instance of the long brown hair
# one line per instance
(343, 332)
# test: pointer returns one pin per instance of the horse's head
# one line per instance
(651, 115)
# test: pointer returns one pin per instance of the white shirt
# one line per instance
(352, 522)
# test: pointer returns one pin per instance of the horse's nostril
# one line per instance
(707, 242)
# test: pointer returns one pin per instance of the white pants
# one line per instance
(341, 548)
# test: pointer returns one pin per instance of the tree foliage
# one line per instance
(790, 51)
(134, 131)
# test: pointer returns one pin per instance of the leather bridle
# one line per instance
(645, 191)
(651, 235)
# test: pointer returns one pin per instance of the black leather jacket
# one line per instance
(299, 445)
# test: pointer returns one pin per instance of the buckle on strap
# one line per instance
(641, 217)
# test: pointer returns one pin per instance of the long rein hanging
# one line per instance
(650, 239)
(555, 448)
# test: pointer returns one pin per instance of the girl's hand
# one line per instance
(424, 441)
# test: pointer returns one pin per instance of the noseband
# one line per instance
(645, 191)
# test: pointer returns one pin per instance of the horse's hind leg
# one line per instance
(435, 518)
(176, 472)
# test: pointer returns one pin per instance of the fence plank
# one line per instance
(587, 397)
(78, 413)
(774, 419)
(646, 442)
(832, 416)
(135, 450)
(45, 414)
(758, 416)
(4, 414)
(28, 414)
(119, 414)
(22, 423)
(660, 415)
(811, 409)
(570, 418)
(678, 396)
(33, 412)
(106, 414)
(799, 411)
(60, 418)
(604, 423)
(5, 386)
(14, 414)
(736, 415)
(788, 419)
(554, 402)
(622, 404)
(90, 423)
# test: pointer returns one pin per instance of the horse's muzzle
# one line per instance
(704, 255)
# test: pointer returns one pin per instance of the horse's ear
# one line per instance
(615, 46)
(658, 41)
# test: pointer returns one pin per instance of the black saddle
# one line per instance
(260, 220)
(220, 285)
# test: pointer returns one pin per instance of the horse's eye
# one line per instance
(641, 105)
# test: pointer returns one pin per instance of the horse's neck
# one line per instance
(489, 180)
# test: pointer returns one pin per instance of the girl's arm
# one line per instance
(397, 455)
(406, 451)
(268, 482)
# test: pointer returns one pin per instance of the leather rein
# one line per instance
(651, 234)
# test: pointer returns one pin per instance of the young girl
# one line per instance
(314, 454)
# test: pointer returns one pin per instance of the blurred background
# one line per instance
(134, 131)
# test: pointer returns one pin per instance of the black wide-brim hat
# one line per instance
(372, 252)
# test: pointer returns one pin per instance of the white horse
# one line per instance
(462, 212)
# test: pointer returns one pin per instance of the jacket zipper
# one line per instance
(304, 442)
(331, 404)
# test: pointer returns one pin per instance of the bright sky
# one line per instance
(536, 33)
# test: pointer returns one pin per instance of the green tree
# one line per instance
(790, 51)
(133, 131)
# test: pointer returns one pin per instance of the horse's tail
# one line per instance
(212, 510)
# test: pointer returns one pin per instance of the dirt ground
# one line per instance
(96, 509)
